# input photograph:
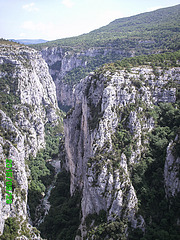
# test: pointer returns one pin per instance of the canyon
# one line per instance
(106, 136)
(91, 124)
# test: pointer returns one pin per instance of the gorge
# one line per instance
(109, 112)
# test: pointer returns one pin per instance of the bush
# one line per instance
(160, 213)
(42, 173)
(10, 229)
(63, 218)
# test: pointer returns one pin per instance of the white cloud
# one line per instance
(28, 25)
(30, 7)
(68, 3)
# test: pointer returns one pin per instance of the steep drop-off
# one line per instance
(27, 102)
(116, 136)
(122, 136)
(71, 59)
(68, 67)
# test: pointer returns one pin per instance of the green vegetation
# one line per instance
(96, 114)
(152, 31)
(8, 134)
(98, 218)
(116, 62)
(24, 230)
(76, 74)
(10, 229)
(143, 34)
(160, 213)
(63, 218)
(42, 173)
(7, 42)
(163, 60)
(112, 230)
(6, 149)
(103, 228)
(8, 89)
(122, 141)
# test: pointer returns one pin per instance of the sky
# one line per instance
(55, 19)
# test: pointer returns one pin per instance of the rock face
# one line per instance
(171, 171)
(105, 102)
(59, 63)
(62, 61)
(106, 132)
(28, 102)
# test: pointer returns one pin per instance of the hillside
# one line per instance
(71, 59)
(123, 154)
(152, 30)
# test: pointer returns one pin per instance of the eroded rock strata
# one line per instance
(121, 137)
(28, 102)
(101, 166)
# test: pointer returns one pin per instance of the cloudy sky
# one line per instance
(54, 19)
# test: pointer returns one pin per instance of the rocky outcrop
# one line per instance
(31, 102)
(106, 131)
(61, 61)
(107, 106)
(171, 170)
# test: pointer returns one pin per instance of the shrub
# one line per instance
(10, 229)
(63, 218)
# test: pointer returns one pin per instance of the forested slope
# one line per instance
(71, 59)
(152, 30)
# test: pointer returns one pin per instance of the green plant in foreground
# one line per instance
(10, 229)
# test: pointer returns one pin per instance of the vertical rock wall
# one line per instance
(31, 102)
(103, 102)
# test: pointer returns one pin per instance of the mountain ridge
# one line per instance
(121, 142)
(91, 39)
(72, 59)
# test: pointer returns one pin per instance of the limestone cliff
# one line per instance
(121, 139)
(62, 61)
(171, 170)
(107, 135)
(28, 102)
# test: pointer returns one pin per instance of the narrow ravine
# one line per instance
(44, 206)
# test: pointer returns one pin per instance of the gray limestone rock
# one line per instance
(101, 103)
(171, 171)
(22, 128)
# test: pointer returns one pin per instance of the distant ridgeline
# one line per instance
(157, 30)
(28, 41)
(120, 141)
(71, 59)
